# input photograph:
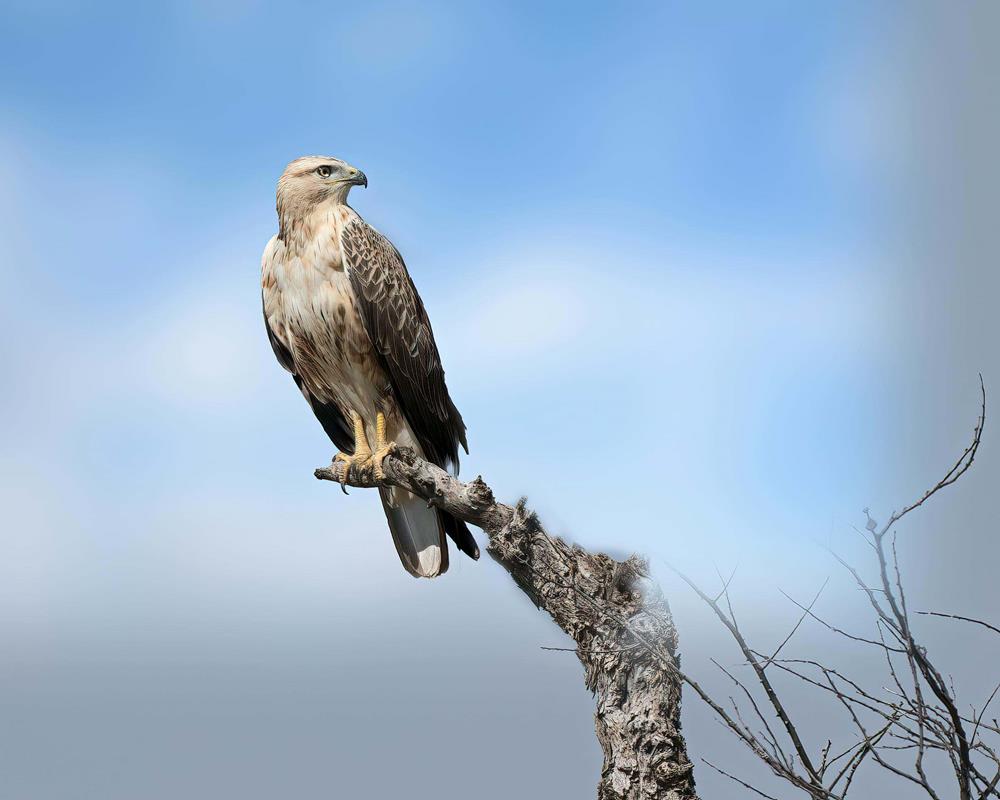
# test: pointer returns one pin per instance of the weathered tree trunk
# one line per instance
(625, 636)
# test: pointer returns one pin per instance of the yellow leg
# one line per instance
(361, 449)
(362, 452)
(382, 447)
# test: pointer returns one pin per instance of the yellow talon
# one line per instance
(346, 461)
(362, 452)
(363, 457)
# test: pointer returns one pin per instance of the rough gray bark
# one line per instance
(625, 636)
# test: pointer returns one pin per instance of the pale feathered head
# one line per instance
(311, 180)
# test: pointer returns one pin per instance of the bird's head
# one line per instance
(312, 180)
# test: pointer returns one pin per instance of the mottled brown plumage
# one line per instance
(344, 317)
(397, 323)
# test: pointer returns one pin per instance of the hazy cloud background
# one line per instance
(707, 279)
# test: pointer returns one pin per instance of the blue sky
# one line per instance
(661, 248)
(525, 175)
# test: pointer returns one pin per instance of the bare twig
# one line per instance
(985, 624)
(805, 612)
(740, 781)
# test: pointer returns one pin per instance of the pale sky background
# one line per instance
(707, 279)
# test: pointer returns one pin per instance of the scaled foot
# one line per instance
(362, 458)
(382, 447)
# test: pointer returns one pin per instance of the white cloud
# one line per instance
(702, 306)
(522, 320)
(38, 506)
(205, 346)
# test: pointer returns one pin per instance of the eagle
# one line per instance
(344, 318)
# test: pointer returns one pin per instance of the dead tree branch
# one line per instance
(618, 618)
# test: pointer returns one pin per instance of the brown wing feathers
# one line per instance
(398, 326)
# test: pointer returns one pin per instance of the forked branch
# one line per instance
(917, 716)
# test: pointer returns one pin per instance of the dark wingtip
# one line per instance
(460, 534)
(472, 553)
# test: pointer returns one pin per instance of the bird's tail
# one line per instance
(418, 530)
(419, 533)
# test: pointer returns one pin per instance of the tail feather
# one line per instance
(417, 532)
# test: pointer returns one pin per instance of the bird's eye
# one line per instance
(324, 171)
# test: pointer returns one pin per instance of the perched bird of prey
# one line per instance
(345, 319)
